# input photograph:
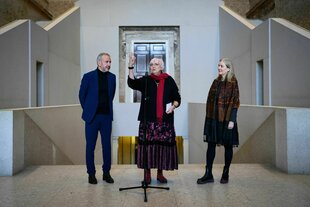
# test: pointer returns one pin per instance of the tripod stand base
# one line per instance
(144, 185)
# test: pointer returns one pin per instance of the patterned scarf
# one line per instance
(222, 98)
(160, 94)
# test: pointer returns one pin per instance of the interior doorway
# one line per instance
(260, 82)
(39, 84)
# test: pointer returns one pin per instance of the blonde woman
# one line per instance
(221, 119)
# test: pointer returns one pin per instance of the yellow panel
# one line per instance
(126, 150)
(119, 151)
(127, 146)
(133, 147)
(179, 143)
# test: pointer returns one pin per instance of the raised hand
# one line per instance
(132, 60)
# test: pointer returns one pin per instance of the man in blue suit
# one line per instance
(96, 96)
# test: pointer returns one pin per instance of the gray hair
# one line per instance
(99, 57)
(161, 62)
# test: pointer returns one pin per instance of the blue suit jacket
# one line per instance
(88, 94)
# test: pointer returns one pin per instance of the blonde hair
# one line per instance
(228, 63)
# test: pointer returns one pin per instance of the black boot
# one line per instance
(225, 176)
(206, 178)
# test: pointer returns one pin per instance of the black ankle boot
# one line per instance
(225, 176)
(206, 178)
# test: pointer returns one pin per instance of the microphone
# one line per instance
(146, 98)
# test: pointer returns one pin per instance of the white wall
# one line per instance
(260, 51)
(23, 43)
(284, 49)
(278, 136)
(6, 143)
(290, 52)
(39, 52)
(235, 43)
(64, 58)
(198, 22)
(55, 135)
(14, 61)
(298, 141)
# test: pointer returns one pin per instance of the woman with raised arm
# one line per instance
(160, 97)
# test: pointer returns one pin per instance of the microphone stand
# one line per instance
(144, 184)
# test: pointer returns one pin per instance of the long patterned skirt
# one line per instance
(160, 145)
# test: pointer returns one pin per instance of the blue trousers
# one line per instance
(103, 124)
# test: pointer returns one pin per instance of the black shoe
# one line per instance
(107, 177)
(206, 178)
(92, 179)
(225, 176)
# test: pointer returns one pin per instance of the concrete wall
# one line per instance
(276, 136)
(6, 143)
(23, 44)
(38, 53)
(260, 51)
(246, 152)
(55, 136)
(280, 45)
(64, 58)
(15, 65)
(289, 51)
(235, 43)
(298, 140)
(198, 22)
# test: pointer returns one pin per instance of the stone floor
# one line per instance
(66, 185)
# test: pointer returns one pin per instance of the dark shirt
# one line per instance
(171, 93)
(103, 100)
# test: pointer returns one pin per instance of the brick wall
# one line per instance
(239, 6)
(297, 11)
(11, 10)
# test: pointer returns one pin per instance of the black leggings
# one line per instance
(211, 155)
